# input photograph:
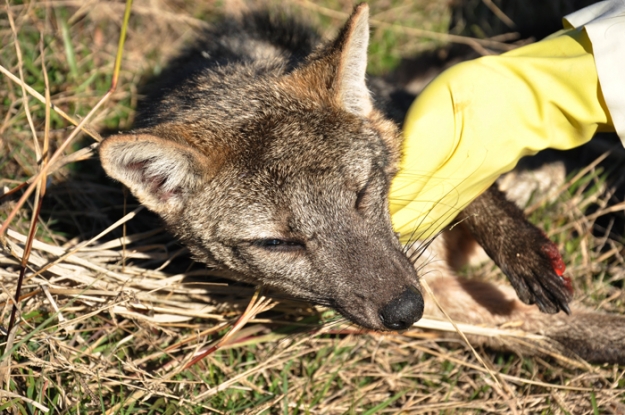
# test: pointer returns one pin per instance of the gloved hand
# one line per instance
(477, 119)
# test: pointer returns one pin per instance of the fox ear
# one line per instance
(351, 45)
(160, 173)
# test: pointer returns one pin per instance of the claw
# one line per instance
(550, 305)
(565, 307)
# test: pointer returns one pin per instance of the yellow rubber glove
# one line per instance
(477, 119)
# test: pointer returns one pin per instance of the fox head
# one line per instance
(281, 177)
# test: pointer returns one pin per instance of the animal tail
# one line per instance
(592, 336)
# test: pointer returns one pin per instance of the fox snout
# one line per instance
(377, 287)
(377, 309)
(401, 312)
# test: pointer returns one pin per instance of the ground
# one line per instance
(112, 310)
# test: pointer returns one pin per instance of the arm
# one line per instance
(476, 120)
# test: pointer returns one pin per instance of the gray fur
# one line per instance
(262, 150)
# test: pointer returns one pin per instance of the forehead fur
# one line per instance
(266, 120)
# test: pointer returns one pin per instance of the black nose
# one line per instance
(404, 310)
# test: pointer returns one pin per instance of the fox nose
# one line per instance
(400, 313)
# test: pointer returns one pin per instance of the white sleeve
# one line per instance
(604, 23)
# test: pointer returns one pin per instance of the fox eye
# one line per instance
(280, 245)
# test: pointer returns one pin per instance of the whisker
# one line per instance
(416, 255)
(419, 234)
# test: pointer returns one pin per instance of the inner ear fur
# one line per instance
(340, 67)
(161, 173)
(351, 45)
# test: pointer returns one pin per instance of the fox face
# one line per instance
(280, 178)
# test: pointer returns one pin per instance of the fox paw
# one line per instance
(523, 252)
(536, 271)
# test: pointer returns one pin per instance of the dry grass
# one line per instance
(112, 311)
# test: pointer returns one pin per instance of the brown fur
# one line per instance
(279, 176)
(269, 159)
(593, 336)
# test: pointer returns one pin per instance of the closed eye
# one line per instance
(280, 245)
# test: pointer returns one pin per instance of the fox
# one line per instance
(269, 153)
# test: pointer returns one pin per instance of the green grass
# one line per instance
(120, 347)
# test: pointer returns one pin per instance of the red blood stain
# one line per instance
(557, 263)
